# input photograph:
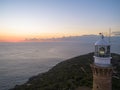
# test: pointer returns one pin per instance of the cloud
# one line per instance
(116, 33)
(32, 39)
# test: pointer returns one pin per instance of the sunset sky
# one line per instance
(20, 19)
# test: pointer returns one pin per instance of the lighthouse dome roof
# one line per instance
(102, 42)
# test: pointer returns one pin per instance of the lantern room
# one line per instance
(102, 52)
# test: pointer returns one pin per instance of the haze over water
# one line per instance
(20, 61)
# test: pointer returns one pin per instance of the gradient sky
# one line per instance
(20, 19)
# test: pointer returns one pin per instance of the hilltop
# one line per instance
(69, 75)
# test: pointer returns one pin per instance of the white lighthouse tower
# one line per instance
(101, 67)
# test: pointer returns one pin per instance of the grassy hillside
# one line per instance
(69, 75)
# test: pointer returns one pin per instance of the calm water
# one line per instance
(19, 61)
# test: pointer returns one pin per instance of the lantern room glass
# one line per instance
(102, 51)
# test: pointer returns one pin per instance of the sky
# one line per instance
(20, 19)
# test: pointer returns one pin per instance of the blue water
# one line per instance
(19, 61)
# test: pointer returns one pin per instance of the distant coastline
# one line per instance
(68, 38)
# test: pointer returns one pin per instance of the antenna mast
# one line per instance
(109, 35)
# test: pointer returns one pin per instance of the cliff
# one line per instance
(69, 75)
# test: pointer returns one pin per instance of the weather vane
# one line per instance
(102, 36)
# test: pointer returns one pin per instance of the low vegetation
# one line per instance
(69, 75)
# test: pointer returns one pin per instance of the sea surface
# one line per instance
(20, 61)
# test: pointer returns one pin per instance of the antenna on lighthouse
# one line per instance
(109, 35)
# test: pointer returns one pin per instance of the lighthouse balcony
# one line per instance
(104, 61)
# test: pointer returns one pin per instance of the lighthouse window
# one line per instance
(102, 51)
(108, 49)
(96, 50)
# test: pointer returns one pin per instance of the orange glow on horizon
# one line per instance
(6, 37)
(14, 35)
(10, 39)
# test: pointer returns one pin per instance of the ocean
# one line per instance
(20, 61)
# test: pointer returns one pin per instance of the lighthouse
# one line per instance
(102, 67)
